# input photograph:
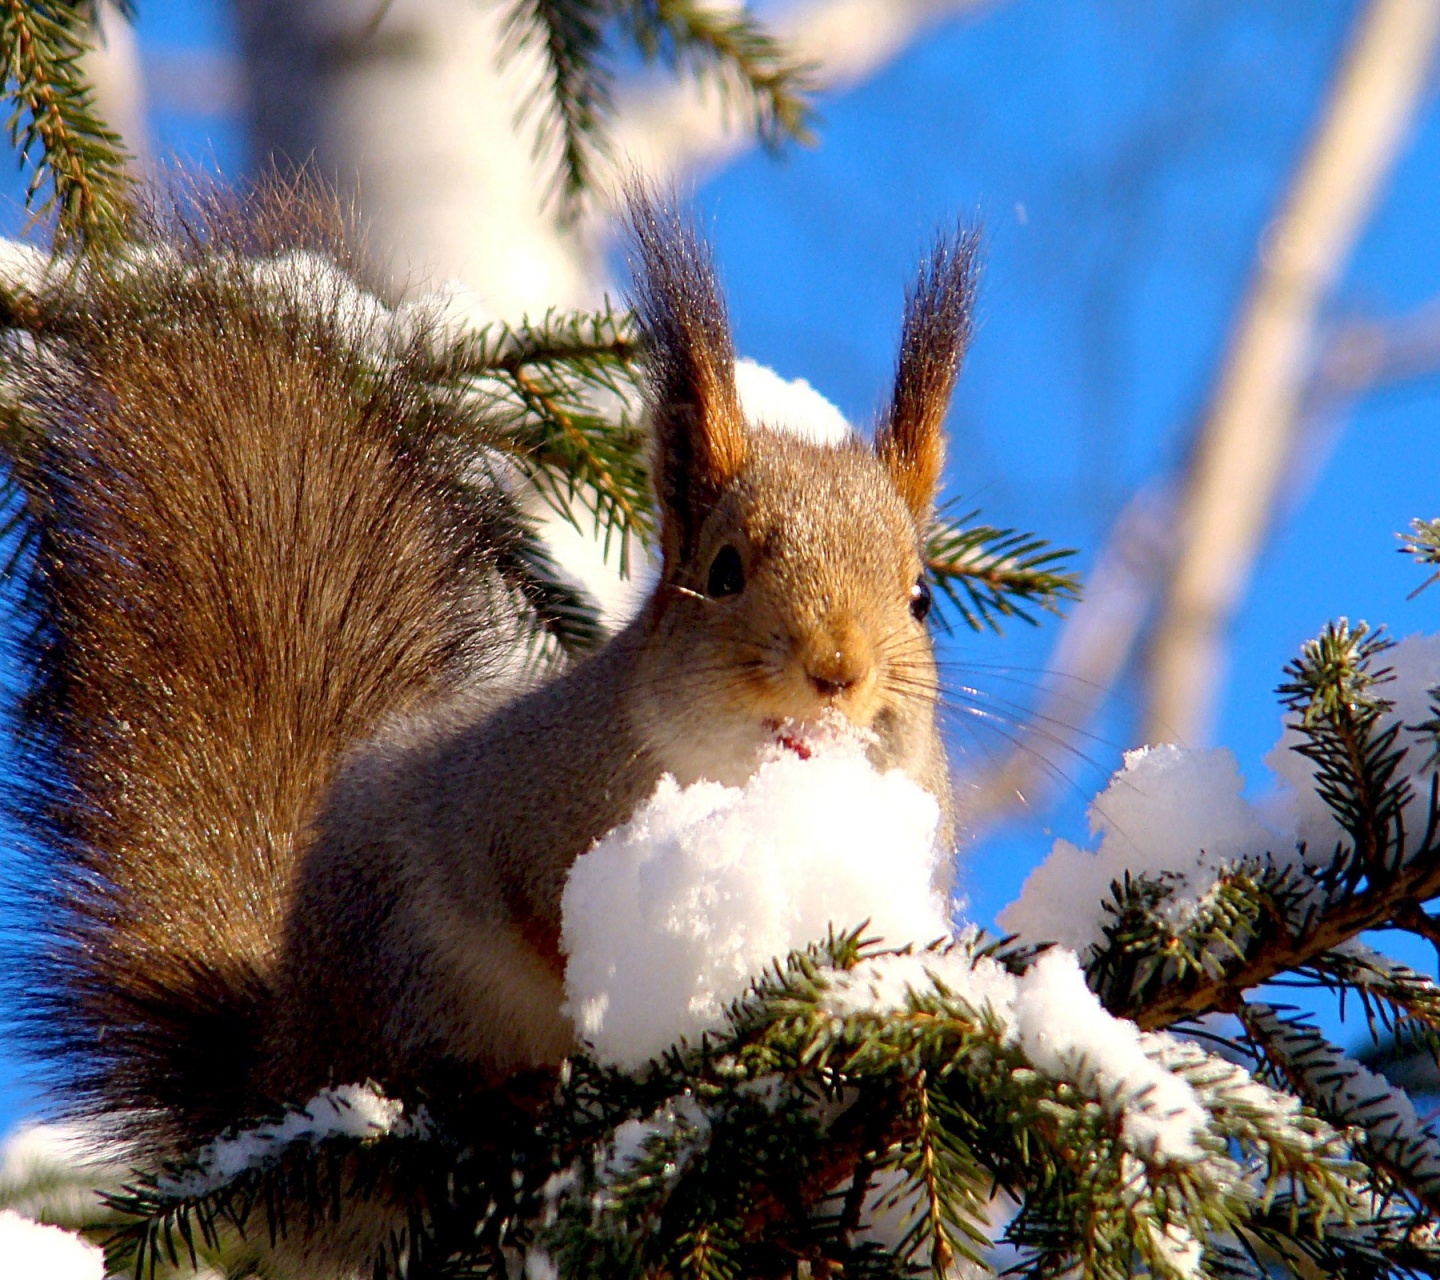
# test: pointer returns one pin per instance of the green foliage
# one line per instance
(1382, 1120)
(726, 49)
(1278, 912)
(1333, 691)
(1423, 542)
(558, 400)
(574, 102)
(753, 1151)
(986, 574)
(77, 164)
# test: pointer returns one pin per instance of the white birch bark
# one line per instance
(416, 120)
(112, 65)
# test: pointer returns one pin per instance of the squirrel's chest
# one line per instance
(691, 749)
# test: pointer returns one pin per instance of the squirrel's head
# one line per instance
(793, 588)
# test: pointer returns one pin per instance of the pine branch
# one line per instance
(729, 50)
(557, 399)
(987, 574)
(738, 1155)
(1147, 954)
(1282, 945)
(1375, 881)
(572, 104)
(1394, 997)
(1350, 1096)
(951, 1191)
(563, 613)
(53, 125)
(1333, 691)
(1388, 1239)
(1424, 544)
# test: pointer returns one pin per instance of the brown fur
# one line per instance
(695, 414)
(214, 481)
(937, 329)
(294, 819)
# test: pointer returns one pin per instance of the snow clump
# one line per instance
(669, 918)
(1169, 812)
(1066, 1033)
(1055, 1020)
(1178, 817)
(33, 1249)
(795, 407)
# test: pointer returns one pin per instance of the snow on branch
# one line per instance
(731, 1109)
(1350, 1095)
(1200, 892)
(359, 1111)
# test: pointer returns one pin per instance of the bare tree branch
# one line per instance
(1098, 641)
(1367, 355)
(1244, 441)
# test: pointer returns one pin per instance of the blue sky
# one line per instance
(1123, 158)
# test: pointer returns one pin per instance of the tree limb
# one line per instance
(1390, 902)
(1243, 445)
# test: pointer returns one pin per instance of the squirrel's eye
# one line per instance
(727, 574)
(920, 599)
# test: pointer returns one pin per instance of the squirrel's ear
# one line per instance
(700, 436)
(910, 441)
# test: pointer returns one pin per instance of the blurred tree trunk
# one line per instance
(112, 65)
(410, 108)
(406, 108)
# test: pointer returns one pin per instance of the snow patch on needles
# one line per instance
(1068, 1035)
(1177, 1245)
(1177, 817)
(1352, 1093)
(1059, 1025)
(669, 918)
(32, 1249)
(1169, 812)
(346, 1111)
(676, 1133)
(888, 983)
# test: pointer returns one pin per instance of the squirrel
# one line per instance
(291, 824)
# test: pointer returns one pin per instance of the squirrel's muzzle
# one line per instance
(838, 661)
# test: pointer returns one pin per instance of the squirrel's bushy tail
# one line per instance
(241, 561)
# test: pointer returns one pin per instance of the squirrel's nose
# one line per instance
(836, 658)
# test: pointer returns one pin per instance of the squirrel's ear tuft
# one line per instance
(911, 441)
(700, 436)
